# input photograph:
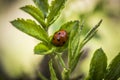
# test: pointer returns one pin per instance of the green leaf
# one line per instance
(74, 47)
(55, 9)
(43, 6)
(98, 65)
(89, 38)
(93, 29)
(113, 71)
(42, 49)
(62, 48)
(34, 12)
(31, 28)
(69, 26)
(72, 44)
(52, 72)
(91, 33)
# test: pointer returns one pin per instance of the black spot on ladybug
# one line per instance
(60, 38)
(59, 33)
(64, 42)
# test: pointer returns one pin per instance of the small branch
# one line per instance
(41, 76)
(56, 67)
(61, 60)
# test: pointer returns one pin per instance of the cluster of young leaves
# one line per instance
(46, 14)
(98, 67)
(75, 45)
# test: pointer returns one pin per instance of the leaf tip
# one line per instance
(11, 21)
(100, 49)
(100, 22)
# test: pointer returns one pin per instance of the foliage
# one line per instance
(98, 65)
(46, 14)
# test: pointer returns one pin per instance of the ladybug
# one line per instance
(60, 38)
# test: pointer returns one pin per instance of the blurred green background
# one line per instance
(16, 48)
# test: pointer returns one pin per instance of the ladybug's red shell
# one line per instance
(60, 38)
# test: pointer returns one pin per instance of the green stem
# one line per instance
(65, 74)
(61, 60)
(56, 66)
(41, 76)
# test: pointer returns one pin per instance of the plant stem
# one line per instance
(66, 74)
(41, 76)
(61, 60)
(56, 67)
